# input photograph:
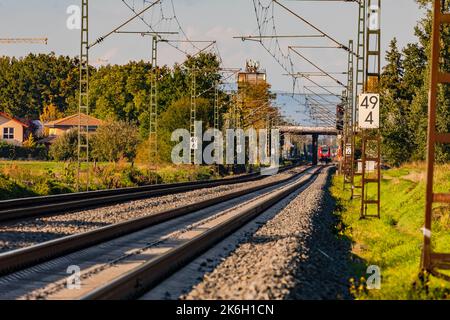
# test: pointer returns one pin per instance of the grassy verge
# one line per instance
(20, 179)
(394, 242)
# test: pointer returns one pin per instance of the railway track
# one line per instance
(124, 260)
(17, 209)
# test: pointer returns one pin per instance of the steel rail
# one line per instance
(18, 259)
(11, 210)
(141, 279)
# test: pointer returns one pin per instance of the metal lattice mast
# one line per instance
(216, 106)
(432, 261)
(83, 106)
(371, 138)
(359, 88)
(153, 112)
(193, 131)
(239, 142)
(348, 121)
(216, 122)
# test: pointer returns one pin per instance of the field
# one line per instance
(33, 178)
(394, 242)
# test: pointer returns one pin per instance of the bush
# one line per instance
(114, 141)
(120, 175)
(65, 147)
(17, 182)
(12, 190)
(12, 152)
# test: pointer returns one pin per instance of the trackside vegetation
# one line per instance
(19, 179)
(394, 242)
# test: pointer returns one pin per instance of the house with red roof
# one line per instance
(12, 130)
(58, 127)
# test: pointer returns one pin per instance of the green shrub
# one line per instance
(65, 147)
(12, 152)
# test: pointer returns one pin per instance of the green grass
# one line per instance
(20, 179)
(35, 166)
(394, 242)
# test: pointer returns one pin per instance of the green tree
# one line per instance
(419, 106)
(394, 113)
(177, 116)
(405, 87)
(30, 83)
(65, 147)
(114, 141)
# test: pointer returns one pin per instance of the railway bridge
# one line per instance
(315, 132)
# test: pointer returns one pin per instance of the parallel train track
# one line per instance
(17, 209)
(133, 256)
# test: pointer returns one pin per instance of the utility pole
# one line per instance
(370, 135)
(83, 105)
(347, 151)
(153, 111)
(432, 261)
(153, 106)
(360, 80)
(216, 125)
(193, 131)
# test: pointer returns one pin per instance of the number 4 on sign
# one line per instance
(369, 111)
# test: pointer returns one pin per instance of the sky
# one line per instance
(215, 20)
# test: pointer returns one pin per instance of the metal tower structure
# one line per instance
(83, 127)
(359, 88)
(216, 123)
(193, 131)
(432, 261)
(238, 123)
(371, 138)
(347, 150)
(153, 111)
(153, 105)
(83, 106)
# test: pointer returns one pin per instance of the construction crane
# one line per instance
(24, 40)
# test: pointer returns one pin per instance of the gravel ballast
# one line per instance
(34, 231)
(293, 255)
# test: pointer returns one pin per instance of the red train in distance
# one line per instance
(325, 154)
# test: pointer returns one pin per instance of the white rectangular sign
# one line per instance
(369, 111)
(348, 150)
(194, 143)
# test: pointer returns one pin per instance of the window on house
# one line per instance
(8, 133)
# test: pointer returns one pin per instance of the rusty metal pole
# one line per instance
(435, 53)
(83, 103)
(359, 88)
(371, 138)
(433, 261)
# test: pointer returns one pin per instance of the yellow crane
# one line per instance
(24, 40)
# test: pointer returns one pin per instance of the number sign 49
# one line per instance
(369, 111)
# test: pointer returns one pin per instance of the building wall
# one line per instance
(18, 131)
(57, 131)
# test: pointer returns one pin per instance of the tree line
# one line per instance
(404, 90)
(46, 87)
